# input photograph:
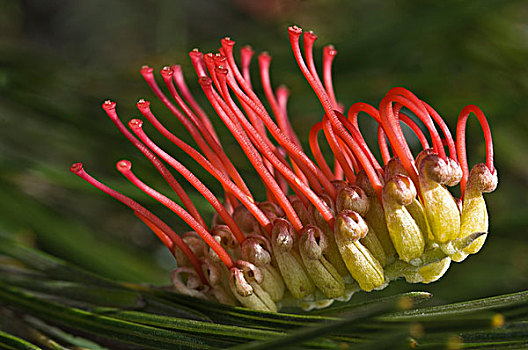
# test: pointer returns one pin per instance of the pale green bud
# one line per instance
(375, 217)
(474, 213)
(288, 260)
(256, 250)
(312, 246)
(395, 167)
(373, 244)
(428, 273)
(362, 265)
(403, 229)
(244, 282)
(186, 281)
(440, 208)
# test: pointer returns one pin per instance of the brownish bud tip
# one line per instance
(351, 225)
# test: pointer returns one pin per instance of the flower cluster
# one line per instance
(322, 233)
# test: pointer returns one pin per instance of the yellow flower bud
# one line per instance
(244, 282)
(403, 229)
(288, 260)
(474, 213)
(363, 266)
(312, 246)
(256, 249)
(440, 207)
(375, 217)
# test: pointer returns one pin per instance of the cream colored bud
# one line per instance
(316, 215)
(255, 252)
(339, 184)
(289, 261)
(227, 239)
(186, 281)
(212, 272)
(271, 210)
(249, 294)
(312, 246)
(196, 243)
(256, 249)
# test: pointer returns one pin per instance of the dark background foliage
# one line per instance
(59, 60)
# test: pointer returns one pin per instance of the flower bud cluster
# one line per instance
(321, 234)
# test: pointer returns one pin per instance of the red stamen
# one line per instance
(391, 126)
(247, 201)
(418, 107)
(312, 179)
(309, 40)
(283, 94)
(109, 108)
(294, 34)
(254, 157)
(198, 62)
(282, 120)
(260, 144)
(384, 148)
(329, 53)
(229, 169)
(316, 150)
(254, 102)
(336, 149)
(124, 166)
(246, 53)
(163, 230)
(147, 74)
(189, 99)
(461, 142)
(445, 131)
(167, 75)
(136, 124)
(360, 141)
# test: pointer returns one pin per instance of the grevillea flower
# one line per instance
(322, 233)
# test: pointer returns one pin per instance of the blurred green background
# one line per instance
(59, 60)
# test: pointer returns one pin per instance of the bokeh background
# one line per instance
(59, 60)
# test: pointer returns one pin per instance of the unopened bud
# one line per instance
(440, 207)
(360, 262)
(288, 260)
(350, 226)
(352, 198)
(312, 245)
(404, 232)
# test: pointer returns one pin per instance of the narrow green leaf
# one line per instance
(324, 328)
(456, 309)
(109, 327)
(414, 298)
(9, 341)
